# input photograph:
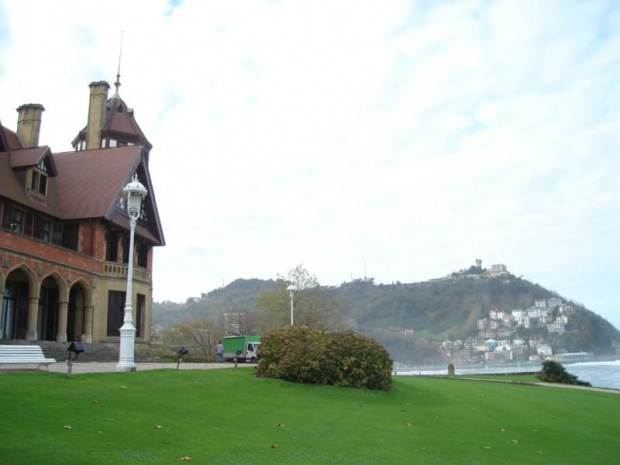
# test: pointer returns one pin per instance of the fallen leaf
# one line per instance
(95, 401)
(67, 427)
(123, 387)
(158, 427)
(408, 424)
(185, 458)
(503, 430)
(515, 441)
(100, 432)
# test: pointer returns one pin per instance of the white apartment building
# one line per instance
(544, 350)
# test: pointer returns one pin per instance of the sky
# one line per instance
(398, 140)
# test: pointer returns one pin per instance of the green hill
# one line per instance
(440, 320)
(240, 294)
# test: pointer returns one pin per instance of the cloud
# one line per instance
(402, 141)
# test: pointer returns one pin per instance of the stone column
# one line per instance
(33, 318)
(1, 309)
(63, 313)
(88, 316)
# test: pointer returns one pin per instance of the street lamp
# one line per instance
(291, 290)
(135, 192)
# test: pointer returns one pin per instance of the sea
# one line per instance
(603, 374)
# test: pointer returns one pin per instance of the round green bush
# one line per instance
(554, 372)
(304, 355)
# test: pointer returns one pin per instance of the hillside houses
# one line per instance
(496, 340)
(551, 312)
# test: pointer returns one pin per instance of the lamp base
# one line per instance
(126, 356)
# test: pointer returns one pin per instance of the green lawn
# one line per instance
(230, 417)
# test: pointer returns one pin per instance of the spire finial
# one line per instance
(117, 84)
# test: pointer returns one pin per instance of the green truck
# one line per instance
(241, 348)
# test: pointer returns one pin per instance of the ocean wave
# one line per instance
(611, 363)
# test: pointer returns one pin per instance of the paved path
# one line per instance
(550, 385)
(109, 367)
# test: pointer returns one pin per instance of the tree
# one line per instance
(240, 321)
(300, 278)
(200, 335)
(554, 372)
(314, 306)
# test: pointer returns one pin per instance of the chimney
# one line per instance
(97, 107)
(29, 124)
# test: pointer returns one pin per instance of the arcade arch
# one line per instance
(80, 313)
(19, 297)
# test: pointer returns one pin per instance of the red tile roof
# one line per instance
(28, 157)
(119, 118)
(12, 139)
(119, 124)
(89, 181)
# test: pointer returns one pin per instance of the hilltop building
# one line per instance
(64, 234)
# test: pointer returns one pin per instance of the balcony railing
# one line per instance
(117, 270)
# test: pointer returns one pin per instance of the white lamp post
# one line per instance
(135, 192)
(291, 290)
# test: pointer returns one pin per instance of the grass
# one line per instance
(230, 417)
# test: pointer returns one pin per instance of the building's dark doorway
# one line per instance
(47, 323)
(14, 321)
(76, 317)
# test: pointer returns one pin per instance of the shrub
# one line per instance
(303, 355)
(554, 372)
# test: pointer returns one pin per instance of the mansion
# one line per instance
(64, 227)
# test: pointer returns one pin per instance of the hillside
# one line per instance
(440, 320)
(240, 294)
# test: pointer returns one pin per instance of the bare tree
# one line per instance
(301, 278)
(239, 321)
(314, 306)
(199, 335)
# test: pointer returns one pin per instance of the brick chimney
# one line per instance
(97, 107)
(29, 124)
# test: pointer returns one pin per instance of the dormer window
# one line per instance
(38, 181)
(111, 143)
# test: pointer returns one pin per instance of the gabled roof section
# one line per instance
(9, 140)
(120, 121)
(120, 125)
(90, 184)
(11, 186)
(13, 160)
(4, 146)
(26, 158)
(89, 181)
(151, 228)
